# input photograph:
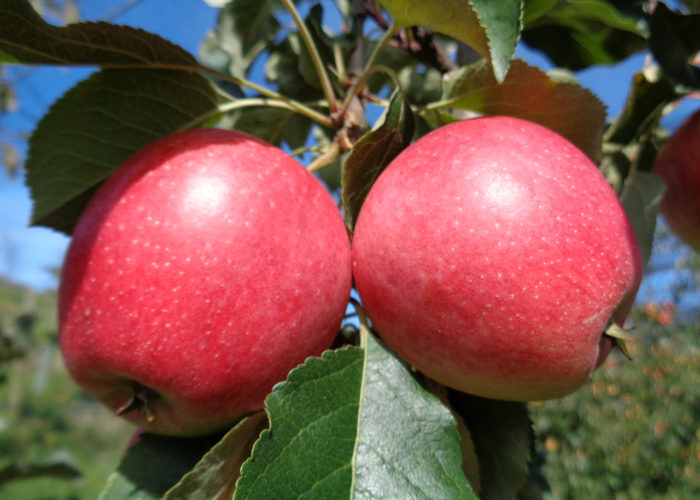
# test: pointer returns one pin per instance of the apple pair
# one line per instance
(491, 255)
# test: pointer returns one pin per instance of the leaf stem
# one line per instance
(434, 106)
(381, 43)
(241, 103)
(297, 106)
(360, 84)
(360, 311)
(370, 69)
(300, 108)
(341, 72)
(315, 56)
(325, 159)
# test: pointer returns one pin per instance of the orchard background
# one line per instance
(631, 432)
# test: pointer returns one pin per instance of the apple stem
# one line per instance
(138, 400)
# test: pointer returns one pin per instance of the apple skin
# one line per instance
(203, 270)
(491, 255)
(678, 164)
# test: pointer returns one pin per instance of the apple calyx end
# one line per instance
(620, 338)
(138, 401)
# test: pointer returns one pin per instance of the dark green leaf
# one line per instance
(502, 22)
(27, 38)
(274, 125)
(97, 125)
(7, 59)
(490, 28)
(283, 70)
(576, 35)
(430, 120)
(649, 94)
(675, 38)
(536, 487)
(420, 86)
(332, 174)
(530, 94)
(153, 464)
(389, 57)
(355, 424)
(503, 439)
(243, 27)
(323, 45)
(57, 467)
(216, 473)
(373, 152)
(692, 5)
(641, 198)
(536, 9)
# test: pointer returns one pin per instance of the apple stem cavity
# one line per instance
(620, 337)
(138, 401)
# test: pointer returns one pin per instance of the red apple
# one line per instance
(491, 255)
(207, 267)
(678, 164)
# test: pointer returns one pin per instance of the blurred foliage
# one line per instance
(43, 414)
(632, 432)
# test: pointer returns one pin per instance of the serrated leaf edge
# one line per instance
(498, 72)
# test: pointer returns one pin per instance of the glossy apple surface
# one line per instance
(204, 269)
(678, 164)
(491, 254)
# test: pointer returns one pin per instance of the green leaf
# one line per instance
(432, 119)
(422, 86)
(313, 424)
(355, 424)
(215, 474)
(331, 175)
(283, 69)
(503, 23)
(53, 466)
(675, 38)
(536, 9)
(7, 59)
(27, 38)
(274, 125)
(503, 439)
(579, 34)
(243, 27)
(373, 152)
(692, 5)
(491, 28)
(530, 94)
(649, 94)
(408, 445)
(537, 486)
(97, 125)
(641, 198)
(390, 57)
(323, 43)
(153, 464)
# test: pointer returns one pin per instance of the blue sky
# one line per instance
(27, 255)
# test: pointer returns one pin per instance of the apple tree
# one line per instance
(360, 92)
